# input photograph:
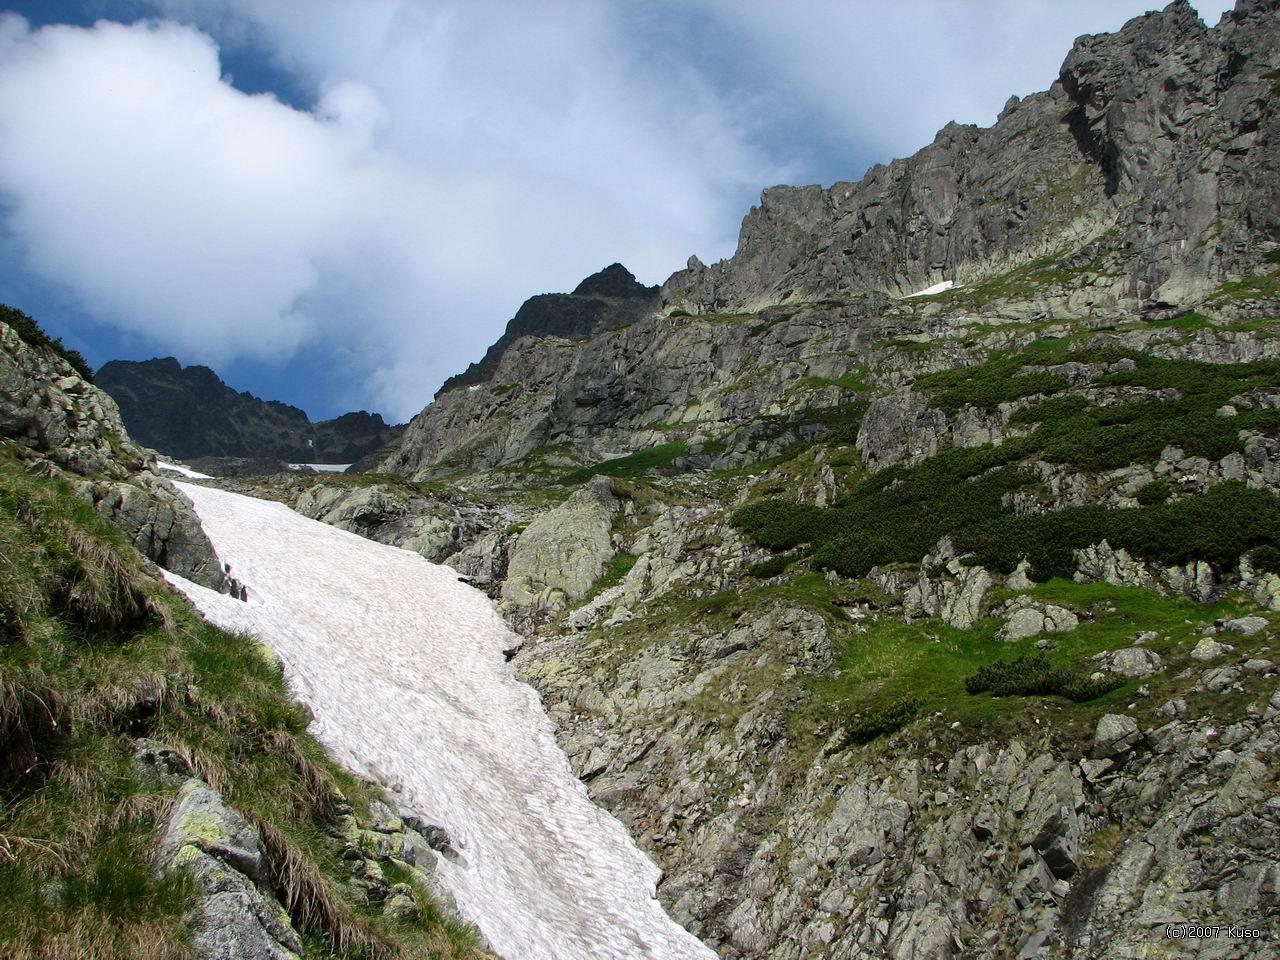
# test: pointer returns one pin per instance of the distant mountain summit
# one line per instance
(607, 300)
(189, 413)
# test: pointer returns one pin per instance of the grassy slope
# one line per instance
(95, 652)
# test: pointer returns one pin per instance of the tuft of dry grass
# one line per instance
(312, 901)
(96, 936)
(32, 713)
(318, 794)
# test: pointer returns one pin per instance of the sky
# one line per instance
(339, 205)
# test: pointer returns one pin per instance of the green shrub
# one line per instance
(31, 334)
(1052, 410)
(1080, 689)
(1155, 492)
(1267, 559)
(989, 385)
(880, 722)
(1033, 675)
(1023, 676)
(773, 566)
(902, 523)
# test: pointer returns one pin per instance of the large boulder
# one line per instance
(562, 552)
(900, 428)
(945, 587)
(1031, 619)
(1132, 662)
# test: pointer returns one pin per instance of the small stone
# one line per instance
(1115, 735)
(1246, 626)
(1259, 666)
(1209, 648)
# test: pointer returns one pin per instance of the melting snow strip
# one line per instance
(930, 291)
(403, 668)
(185, 471)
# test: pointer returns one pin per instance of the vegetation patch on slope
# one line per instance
(632, 465)
(898, 515)
(932, 665)
(96, 653)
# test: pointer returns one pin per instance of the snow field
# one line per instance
(403, 668)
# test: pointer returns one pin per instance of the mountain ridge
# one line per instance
(190, 413)
(608, 299)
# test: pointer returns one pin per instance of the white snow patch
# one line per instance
(185, 471)
(322, 467)
(403, 668)
(930, 291)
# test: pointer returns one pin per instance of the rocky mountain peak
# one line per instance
(607, 300)
(1150, 148)
(614, 281)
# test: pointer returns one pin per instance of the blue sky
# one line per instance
(340, 204)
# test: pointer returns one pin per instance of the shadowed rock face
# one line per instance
(606, 300)
(188, 412)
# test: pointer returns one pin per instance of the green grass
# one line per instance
(633, 465)
(614, 573)
(95, 652)
(1260, 286)
(1186, 322)
(928, 663)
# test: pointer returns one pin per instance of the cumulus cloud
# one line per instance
(442, 174)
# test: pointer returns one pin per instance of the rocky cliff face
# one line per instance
(1148, 154)
(74, 429)
(1141, 182)
(189, 413)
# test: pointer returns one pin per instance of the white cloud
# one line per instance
(448, 170)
